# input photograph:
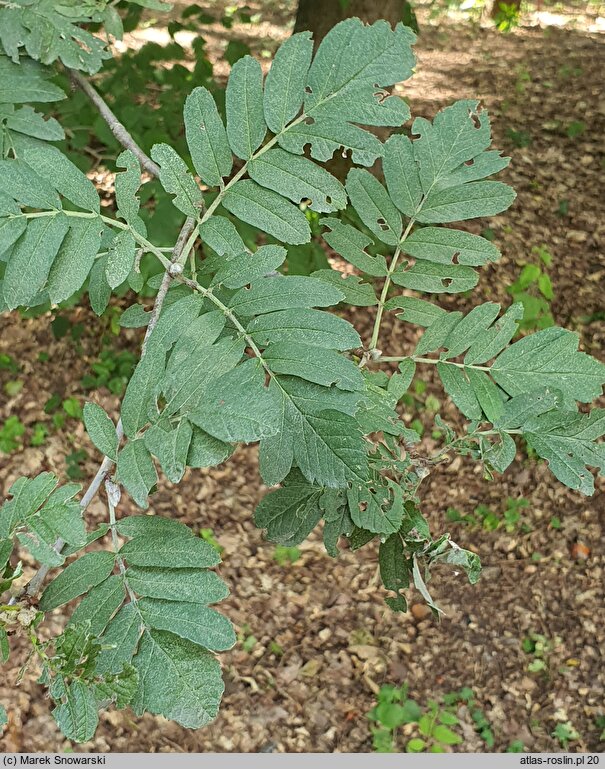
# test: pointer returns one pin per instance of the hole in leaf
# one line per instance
(382, 224)
(308, 89)
(470, 162)
(447, 282)
(455, 258)
(475, 118)
(363, 506)
(309, 121)
(305, 203)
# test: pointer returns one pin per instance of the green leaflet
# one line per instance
(49, 32)
(246, 268)
(314, 326)
(140, 396)
(549, 358)
(283, 293)
(499, 454)
(339, 525)
(28, 495)
(177, 679)
(100, 604)
(458, 387)
(285, 82)
(99, 290)
(192, 621)
(21, 183)
(352, 64)
(120, 640)
(268, 211)
(192, 343)
(439, 244)
(10, 231)
(184, 387)
(399, 383)
(63, 516)
(22, 79)
(118, 689)
(59, 517)
(434, 278)
(489, 344)
(26, 120)
(468, 201)
(417, 311)
(326, 136)
(351, 244)
(394, 568)
(302, 436)
(458, 134)
(325, 367)
(189, 585)
(101, 430)
(31, 259)
(136, 471)
(176, 180)
(206, 138)
(134, 316)
(74, 259)
(220, 234)
(374, 206)
(51, 164)
(298, 179)
(375, 507)
(246, 127)
(326, 445)
(182, 552)
(401, 174)
(355, 292)
(567, 441)
(290, 513)
(238, 406)
(136, 525)
(120, 258)
(77, 578)
(127, 185)
(77, 716)
(206, 451)
(522, 408)
(490, 397)
(173, 319)
(171, 447)
(470, 328)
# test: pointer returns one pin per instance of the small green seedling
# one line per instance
(285, 555)
(208, 536)
(540, 648)
(395, 708)
(11, 433)
(565, 733)
(533, 288)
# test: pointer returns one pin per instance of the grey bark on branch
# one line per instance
(117, 128)
(34, 585)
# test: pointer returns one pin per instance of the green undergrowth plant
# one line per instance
(434, 725)
(533, 289)
(234, 351)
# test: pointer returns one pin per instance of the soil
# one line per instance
(325, 641)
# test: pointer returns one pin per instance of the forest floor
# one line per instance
(316, 640)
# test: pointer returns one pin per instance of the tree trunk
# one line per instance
(319, 16)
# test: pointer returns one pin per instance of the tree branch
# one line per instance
(117, 128)
(33, 587)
